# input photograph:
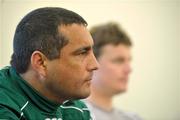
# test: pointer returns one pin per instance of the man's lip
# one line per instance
(89, 79)
(124, 79)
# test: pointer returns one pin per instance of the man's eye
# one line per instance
(118, 61)
(83, 53)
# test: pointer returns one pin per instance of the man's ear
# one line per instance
(39, 63)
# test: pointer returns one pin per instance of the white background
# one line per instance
(153, 25)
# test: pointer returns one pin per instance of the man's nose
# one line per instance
(93, 63)
(128, 68)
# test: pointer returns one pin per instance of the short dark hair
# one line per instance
(109, 33)
(38, 30)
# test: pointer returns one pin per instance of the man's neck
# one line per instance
(33, 79)
(101, 99)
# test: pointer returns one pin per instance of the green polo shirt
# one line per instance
(19, 101)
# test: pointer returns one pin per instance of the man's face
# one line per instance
(69, 76)
(114, 69)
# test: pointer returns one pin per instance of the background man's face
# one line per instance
(114, 69)
(70, 75)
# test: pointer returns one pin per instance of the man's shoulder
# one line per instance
(7, 113)
(99, 113)
(9, 96)
(7, 100)
(6, 79)
(4, 73)
(8, 106)
(127, 115)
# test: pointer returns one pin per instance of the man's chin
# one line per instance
(82, 96)
(121, 91)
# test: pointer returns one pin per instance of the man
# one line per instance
(112, 49)
(51, 67)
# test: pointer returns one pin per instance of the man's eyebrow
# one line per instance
(85, 48)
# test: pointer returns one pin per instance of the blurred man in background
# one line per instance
(112, 48)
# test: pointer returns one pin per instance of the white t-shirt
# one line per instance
(115, 114)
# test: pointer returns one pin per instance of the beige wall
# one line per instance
(154, 26)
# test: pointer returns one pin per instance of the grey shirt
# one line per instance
(115, 114)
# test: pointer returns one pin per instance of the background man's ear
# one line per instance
(38, 63)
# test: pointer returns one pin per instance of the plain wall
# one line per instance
(153, 25)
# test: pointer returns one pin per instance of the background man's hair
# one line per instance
(38, 30)
(109, 33)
